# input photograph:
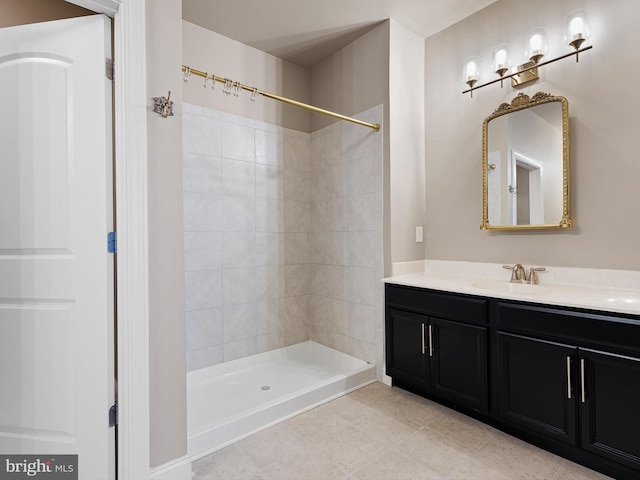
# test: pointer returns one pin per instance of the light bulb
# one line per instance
(538, 45)
(501, 62)
(578, 28)
(472, 71)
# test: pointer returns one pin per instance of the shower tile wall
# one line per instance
(283, 237)
(346, 306)
(246, 235)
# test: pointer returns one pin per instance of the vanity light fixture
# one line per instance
(501, 62)
(471, 73)
(577, 31)
(537, 45)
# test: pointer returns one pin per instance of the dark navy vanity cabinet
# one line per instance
(565, 379)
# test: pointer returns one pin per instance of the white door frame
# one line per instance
(536, 204)
(131, 214)
(132, 260)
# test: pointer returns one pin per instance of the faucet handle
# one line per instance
(533, 274)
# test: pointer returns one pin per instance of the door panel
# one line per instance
(609, 413)
(34, 184)
(56, 276)
(39, 372)
(535, 384)
(406, 356)
(459, 363)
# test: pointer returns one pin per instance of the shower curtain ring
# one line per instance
(186, 74)
(206, 75)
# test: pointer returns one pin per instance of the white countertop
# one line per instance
(604, 290)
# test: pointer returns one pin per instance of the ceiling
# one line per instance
(306, 31)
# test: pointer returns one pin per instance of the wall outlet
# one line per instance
(419, 235)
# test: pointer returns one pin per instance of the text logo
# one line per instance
(49, 467)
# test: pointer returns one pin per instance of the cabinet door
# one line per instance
(406, 348)
(610, 406)
(535, 384)
(458, 354)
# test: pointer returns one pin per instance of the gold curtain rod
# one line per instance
(295, 103)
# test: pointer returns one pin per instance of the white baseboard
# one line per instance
(178, 469)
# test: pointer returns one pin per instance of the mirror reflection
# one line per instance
(525, 159)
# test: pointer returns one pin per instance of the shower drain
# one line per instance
(265, 387)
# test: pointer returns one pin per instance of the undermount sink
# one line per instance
(515, 288)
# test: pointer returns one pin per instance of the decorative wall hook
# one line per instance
(163, 106)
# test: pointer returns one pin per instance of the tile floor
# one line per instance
(383, 433)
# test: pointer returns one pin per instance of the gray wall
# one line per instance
(208, 51)
(384, 66)
(167, 380)
(352, 80)
(407, 140)
(603, 132)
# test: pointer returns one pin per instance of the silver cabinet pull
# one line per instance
(569, 378)
(423, 347)
(583, 392)
(430, 341)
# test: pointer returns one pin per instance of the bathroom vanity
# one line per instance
(562, 377)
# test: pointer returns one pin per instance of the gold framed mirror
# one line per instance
(525, 164)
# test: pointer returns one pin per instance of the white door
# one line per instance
(56, 276)
(494, 179)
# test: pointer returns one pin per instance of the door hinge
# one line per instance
(113, 415)
(109, 69)
(111, 242)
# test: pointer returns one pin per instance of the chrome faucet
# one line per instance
(519, 274)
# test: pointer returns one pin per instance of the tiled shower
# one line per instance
(283, 237)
